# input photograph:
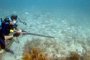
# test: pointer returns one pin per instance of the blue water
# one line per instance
(79, 8)
(45, 3)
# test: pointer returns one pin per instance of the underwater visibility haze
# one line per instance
(66, 20)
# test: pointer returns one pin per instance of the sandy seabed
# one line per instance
(68, 36)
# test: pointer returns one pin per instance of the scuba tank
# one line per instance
(1, 34)
(0, 23)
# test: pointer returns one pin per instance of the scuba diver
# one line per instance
(8, 24)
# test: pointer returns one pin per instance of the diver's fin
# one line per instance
(9, 50)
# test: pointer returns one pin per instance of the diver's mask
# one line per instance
(14, 22)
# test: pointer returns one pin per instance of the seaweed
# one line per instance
(35, 55)
(75, 56)
(34, 50)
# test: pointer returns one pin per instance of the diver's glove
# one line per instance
(16, 34)
(23, 31)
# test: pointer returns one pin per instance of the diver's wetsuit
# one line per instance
(7, 26)
(2, 40)
(5, 31)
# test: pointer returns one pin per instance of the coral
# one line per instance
(35, 55)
